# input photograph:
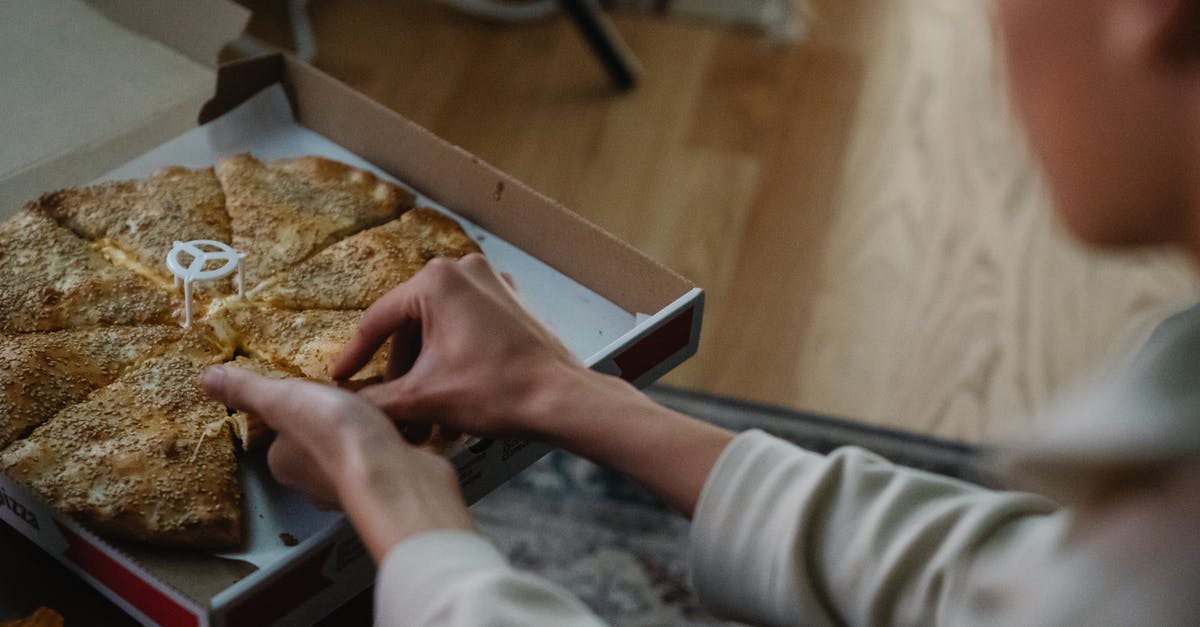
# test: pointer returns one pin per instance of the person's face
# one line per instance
(1105, 113)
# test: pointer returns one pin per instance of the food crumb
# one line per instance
(43, 617)
(288, 539)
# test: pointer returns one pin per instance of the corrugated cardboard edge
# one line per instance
(458, 180)
(106, 569)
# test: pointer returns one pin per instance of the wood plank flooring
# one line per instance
(861, 208)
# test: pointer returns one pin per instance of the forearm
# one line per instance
(784, 536)
(610, 422)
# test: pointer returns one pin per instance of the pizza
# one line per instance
(141, 220)
(284, 211)
(135, 460)
(51, 279)
(43, 373)
(100, 409)
(356, 271)
(308, 340)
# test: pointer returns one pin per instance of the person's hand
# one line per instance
(464, 354)
(343, 452)
(467, 356)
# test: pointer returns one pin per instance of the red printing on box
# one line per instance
(126, 584)
(656, 347)
(279, 597)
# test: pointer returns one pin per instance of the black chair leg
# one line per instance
(618, 60)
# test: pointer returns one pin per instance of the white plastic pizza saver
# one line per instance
(202, 251)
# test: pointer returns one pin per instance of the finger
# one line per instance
(476, 262)
(480, 270)
(397, 399)
(354, 385)
(283, 404)
(406, 347)
(292, 467)
(242, 389)
(380, 321)
(485, 277)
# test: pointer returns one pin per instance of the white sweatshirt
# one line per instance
(782, 536)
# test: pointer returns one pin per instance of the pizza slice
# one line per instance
(305, 342)
(355, 272)
(43, 373)
(138, 459)
(283, 212)
(51, 279)
(143, 218)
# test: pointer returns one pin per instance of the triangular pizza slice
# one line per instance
(144, 218)
(306, 342)
(138, 459)
(283, 212)
(51, 279)
(355, 272)
(43, 373)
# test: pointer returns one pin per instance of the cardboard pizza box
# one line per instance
(617, 310)
(91, 84)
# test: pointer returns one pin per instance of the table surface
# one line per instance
(32, 579)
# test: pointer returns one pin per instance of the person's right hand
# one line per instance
(465, 354)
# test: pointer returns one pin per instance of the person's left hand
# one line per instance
(343, 452)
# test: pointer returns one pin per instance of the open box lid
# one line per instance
(91, 84)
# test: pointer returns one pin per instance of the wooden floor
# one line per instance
(861, 209)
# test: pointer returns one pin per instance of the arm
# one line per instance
(782, 536)
(607, 420)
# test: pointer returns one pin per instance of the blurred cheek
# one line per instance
(1044, 90)
(1091, 123)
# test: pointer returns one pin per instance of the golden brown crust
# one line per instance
(303, 341)
(43, 373)
(284, 212)
(144, 218)
(135, 461)
(51, 279)
(355, 272)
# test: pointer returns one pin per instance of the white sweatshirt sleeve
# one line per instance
(782, 536)
(451, 578)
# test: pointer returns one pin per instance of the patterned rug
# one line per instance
(621, 551)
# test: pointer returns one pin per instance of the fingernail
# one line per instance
(213, 376)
